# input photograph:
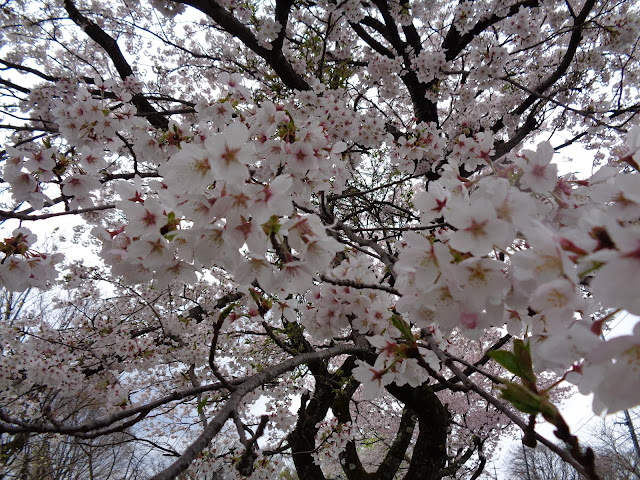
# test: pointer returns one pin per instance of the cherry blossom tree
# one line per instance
(309, 217)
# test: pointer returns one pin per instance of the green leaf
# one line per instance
(271, 226)
(405, 330)
(254, 296)
(225, 313)
(507, 359)
(201, 404)
(522, 352)
(523, 399)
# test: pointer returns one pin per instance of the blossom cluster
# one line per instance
(365, 193)
(516, 243)
(331, 440)
(526, 244)
(23, 267)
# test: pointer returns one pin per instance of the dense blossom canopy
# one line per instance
(313, 220)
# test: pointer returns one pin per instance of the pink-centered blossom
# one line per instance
(80, 186)
(191, 170)
(540, 175)
(431, 203)
(478, 227)
(144, 218)
(301, 157)
(373, 378)
(611, 371)
(616, 282)
(230, 153)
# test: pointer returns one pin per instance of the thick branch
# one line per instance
(26, 69)
(311, 412)
(349, 458)
(372, 42)
(354, 284)
(433, 422)
(274, 57)
(216, 424)
(15, 426)
(424, 110)
(111, 48)
(283, 7)
(25, 217)
(396, 453)
(454, 42)
(563, 66)
(13, 86)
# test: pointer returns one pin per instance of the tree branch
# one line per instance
(274, 57)
(216, 424)
(111, 48)
(27, 217)
(563, 66)
(566, 456)
(454, 42)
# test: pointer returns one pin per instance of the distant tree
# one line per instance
(618, 457)
(610, 440)
(538, 463)
(51, 456)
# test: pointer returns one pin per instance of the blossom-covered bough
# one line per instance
(317, 222)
